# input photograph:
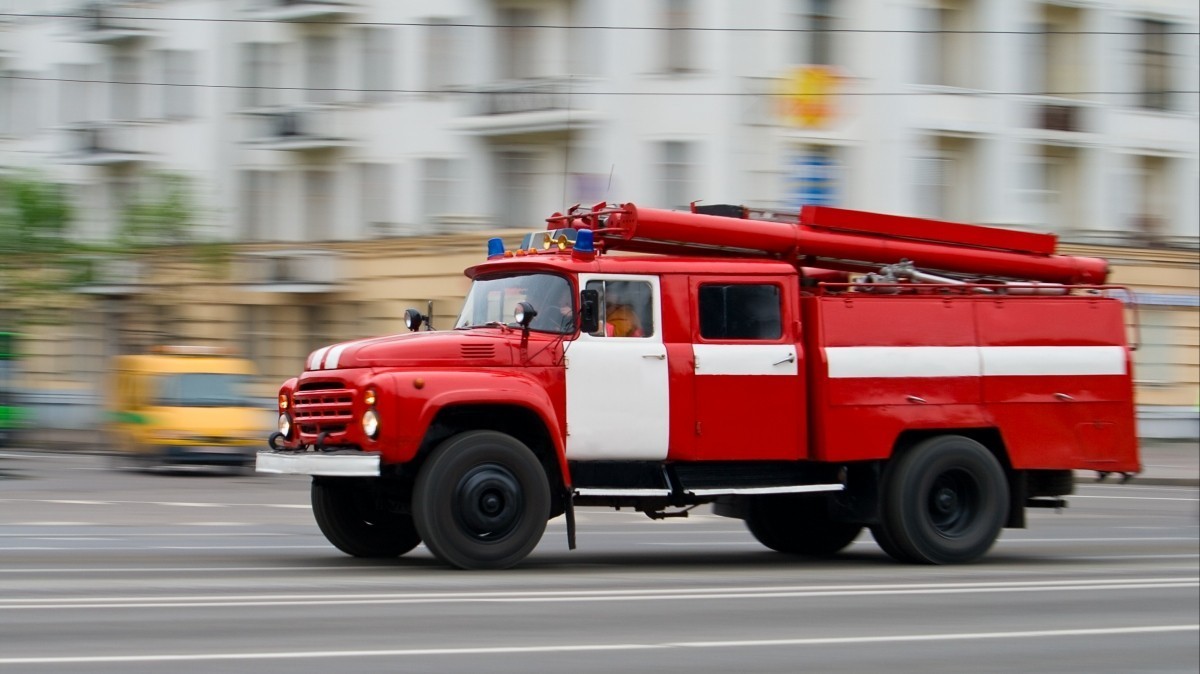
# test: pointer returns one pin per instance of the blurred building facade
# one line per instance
(357, 153)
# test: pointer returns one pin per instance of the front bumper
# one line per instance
(339, 464)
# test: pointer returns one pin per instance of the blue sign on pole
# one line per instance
(812, 179)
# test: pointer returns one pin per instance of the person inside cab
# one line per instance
(621, 320)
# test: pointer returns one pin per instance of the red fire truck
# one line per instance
(812, 375)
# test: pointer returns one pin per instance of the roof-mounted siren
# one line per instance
(840, 239)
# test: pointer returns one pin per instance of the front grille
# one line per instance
(327, 409)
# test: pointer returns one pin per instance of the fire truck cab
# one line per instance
(812, 376)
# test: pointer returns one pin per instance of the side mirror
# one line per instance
(524, 314)
(589, 310)
(413, 319)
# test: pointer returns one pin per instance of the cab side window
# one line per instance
(740, 311)
(626, 308)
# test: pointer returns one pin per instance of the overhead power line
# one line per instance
(578, 92)
(552, 26)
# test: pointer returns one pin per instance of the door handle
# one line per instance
(916, 399)
(1064, 397)
(655, 356)
(790, 359)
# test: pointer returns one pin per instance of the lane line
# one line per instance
(575, 648)
(551, 596)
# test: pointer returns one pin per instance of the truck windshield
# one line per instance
(492, 301)
(200, 390)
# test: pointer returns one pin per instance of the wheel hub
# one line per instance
(488, 502)
(952, 502)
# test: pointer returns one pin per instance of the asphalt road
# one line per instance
(116, 572)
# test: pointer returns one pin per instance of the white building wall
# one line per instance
(891, 134)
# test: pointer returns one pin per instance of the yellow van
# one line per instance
(184, 406)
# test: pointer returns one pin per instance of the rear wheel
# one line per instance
(347, 514)
(798, 525)
(945, 502)
(481, 501)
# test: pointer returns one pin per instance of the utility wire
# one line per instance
(484, 92)
(552, 26)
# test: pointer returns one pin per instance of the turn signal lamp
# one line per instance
(369, 398)
(283, 401)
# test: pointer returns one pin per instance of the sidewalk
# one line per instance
(1163, 463)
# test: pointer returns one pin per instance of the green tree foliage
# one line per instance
(42, 259)
(38, 256)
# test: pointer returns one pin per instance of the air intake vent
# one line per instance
(478, 350)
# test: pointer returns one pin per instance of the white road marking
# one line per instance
(552, 596)
(575, 648)
(1132, 498)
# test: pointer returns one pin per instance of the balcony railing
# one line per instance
(528, 106)
(109, 25)
(105, 144)
(287, 271)
(302, 128)
(302, 10)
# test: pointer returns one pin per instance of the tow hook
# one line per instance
(273, 439)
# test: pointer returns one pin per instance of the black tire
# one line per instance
(944, 502)
(481, 501)
(885, 542)
(798, 525)
(346, 513)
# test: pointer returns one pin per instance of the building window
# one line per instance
(261, 74)
(1053, 187)
(946, 182)
(258, 204)
(73, 103)
(179, 76)
(318, 205)
(680, 19)
(740, 311)
(1155, 65)
(518, 57)
(1152, 196)
(441, 54)
(125, 89)
(813, 43)
(439, 188)
(377, 66)
(320, 79)
(376, 198)
(676, 173)
(1153, 362)
(948, 48)
(1061, 54)
(518, 175)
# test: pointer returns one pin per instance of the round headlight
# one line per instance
(524, 313)
(370, 423)
(285, 425)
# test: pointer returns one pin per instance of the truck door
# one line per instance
(617, 398)
(749, 394)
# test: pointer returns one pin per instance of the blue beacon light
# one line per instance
(495, 248)
(585, 248)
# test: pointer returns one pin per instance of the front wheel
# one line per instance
(945, 502)
(347, 514)
(481, 501)
(798, 525)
